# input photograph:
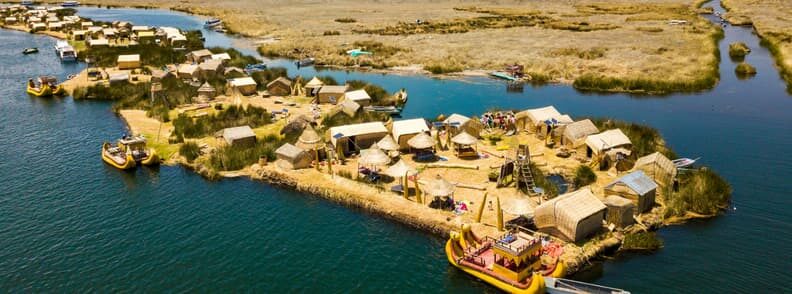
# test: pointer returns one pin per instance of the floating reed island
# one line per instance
(587, 185)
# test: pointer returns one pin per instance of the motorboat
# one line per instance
(65, 51)
(30, 50)
(212, 23)
(70, 4)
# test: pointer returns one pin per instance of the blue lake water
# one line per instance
(68, 222)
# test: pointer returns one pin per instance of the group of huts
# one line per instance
(38, 18)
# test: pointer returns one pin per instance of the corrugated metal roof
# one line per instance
(638, 181)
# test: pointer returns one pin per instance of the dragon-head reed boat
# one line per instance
(129, 152)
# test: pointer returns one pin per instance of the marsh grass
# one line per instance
(190, 151)
(738, 50)
(745, 70)
(645, 139)
(233, 116)
(267, 75)
(650, 29)
(345, 20)
(641, 241)
(589, 54)
(584, 175)
(701, 191)
(443, 67)
(771, 42)
(229, 158)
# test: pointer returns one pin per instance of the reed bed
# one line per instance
(233, 116)
(701, 192)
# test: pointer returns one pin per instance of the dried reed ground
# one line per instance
(640, 44)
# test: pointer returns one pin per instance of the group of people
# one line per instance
(499, 120)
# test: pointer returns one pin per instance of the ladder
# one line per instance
(522, 168)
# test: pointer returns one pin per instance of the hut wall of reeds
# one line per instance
(531, 120)
(292, 157)
(351, 138)
(658, 167)
(600, 143)
(635, 186)
(620, 211)
(574, 134)
(574, 215)
(404, 130)
(280, 87)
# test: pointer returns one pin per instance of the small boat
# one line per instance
(250, 68)
(512, 262)
(30, 50)
(357, 52)
(383, 109)
(45, 86)
(27, 2)
(305, 62)
(212, 23)
(70, 4)
(129, 152)
(503, 75)
(684, 162)
(566, 286)
(65, 51)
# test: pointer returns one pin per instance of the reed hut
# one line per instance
(78, 35)
(658, 167)
(572, 216)
(404, 130)
(574, 134)
(245, 86)
(224, 58)
(465, 145)
(347, 139)
(210, 68)
(233, 72)
(279, 87)
(187, 71)
(373, 157)
(54, 26)
(619, 211)
(86, 24)
(349, 108)
(98, 43)
(388, 144)
(421, 142)
(550, 127)
(636, 186)
(199, 56)
(109, 33)
(401, 170)
(131, 61)
(9, 20)
(330, 94)
(292, 157)
(359, 97)
(239, 136)
(311, 141)
(439, 187)
(159, 75)
(600, 143)
(313, 86)
(531, 120)
(206, 92)
(457, 123)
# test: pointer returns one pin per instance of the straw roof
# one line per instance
(357, 95)
(464, 138)
(518, 207)
(569, 213)
(373, 156)
(657, 166)
(399, 169)
(387, 143)
(206, 87)
(309, 139)
(439, 187)
(421, 141)
(580, 129)
(539, 115)
(314, 83)
(607, 140)
(289, 151)
(356, 130)
(409, 126)
(349, 107)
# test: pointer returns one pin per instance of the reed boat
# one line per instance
(45, 86)
(129, 152)
(512, 262)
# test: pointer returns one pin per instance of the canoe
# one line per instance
(30, 51)
(117, 158)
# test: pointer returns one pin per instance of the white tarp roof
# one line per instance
(456, 119)
(98, 42)
(244, 81)
(409, 126)
(538, 115)
(607, 140)
(221, 56)
(357, 95)
(129, 58)
(356, 130)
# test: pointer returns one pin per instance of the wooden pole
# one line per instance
(418, 192)
(481, 208)
(329, 162)
(405, 185)
(316, 157)
(500, 213)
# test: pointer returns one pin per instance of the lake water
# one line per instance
(69, 222)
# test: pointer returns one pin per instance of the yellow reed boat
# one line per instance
(46, 86)
(511, 262)
(129, 152)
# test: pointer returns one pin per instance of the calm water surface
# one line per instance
(69, 222)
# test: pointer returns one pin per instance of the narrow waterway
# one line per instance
(69, 222)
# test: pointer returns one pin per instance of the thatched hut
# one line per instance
(187, 71)
(359, 97)
(457, 123)
(532, 119)
(388, 144)
(239, 136)
(465, 145)
(351, 138)
(292, 157)
(619, 211)
(439, 187)
(206, 92)
(210, 68)
(349, 108)
(373, 157)
(245, 86)
(279, 87)
(330, 94)
(199, 56)
(422, 141)
(658, 167)
(232, 72)
(130, 61)
(313, 86)
(600, 143)
(309, 140)
(404, 130)
(573, 216)
(551, 126)
(635, 186)
(574, 134)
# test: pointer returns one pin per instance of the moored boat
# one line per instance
(65, 51)
(117, 156)
(128, 152)
(30, 50)
(212, 23)
(511, 262)
(566, 286)
(305, 62)
(46, 86)
(70, 4)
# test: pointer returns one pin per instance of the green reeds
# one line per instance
(641, 241)
(541, 181)
(228, 158)
(700, 191)
(190, 151)
(584, 175)
(345, 20)
(738, 50)
(232, 116)
(771, 41)
(745, 70)
(443, 68)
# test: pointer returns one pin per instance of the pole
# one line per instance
(500, 213)
(481, 208)
(316, 156)
(329, 162)
(418, 191)
(405, 185)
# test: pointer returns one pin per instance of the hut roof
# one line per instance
(456, 119)
(399, 169)
(244, 81)
(140, 28)
(281, 80)
(617, 201)
(580, 129)
(356, 130)
(211, 65)
(129, 58)
(563, 119)
(235, 133)
(357, 95)
(333, 89)
(231, 69)
(439, 187)
(387, 143)
(638, 181)
(97, 42)
(188, 68)
(421, 141)
(349, 107)
(566, 211)
(144, 34)
(309, 139)
(221, 56)
(539, 115)
(607, 140)
(206, 87)
(314, 83)
(289, 151)
(159, 74)
(109, 32)
(409, 126)
(373, 156)
(658, 159)
(463, 138)
(518, 206)
(201, 53)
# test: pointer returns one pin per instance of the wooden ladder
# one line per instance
(522, 167)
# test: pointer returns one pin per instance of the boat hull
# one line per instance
(537, 281)
(152, 159)
(45, 91)
(128, 164)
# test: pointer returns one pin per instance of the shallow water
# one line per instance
(69, 222)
